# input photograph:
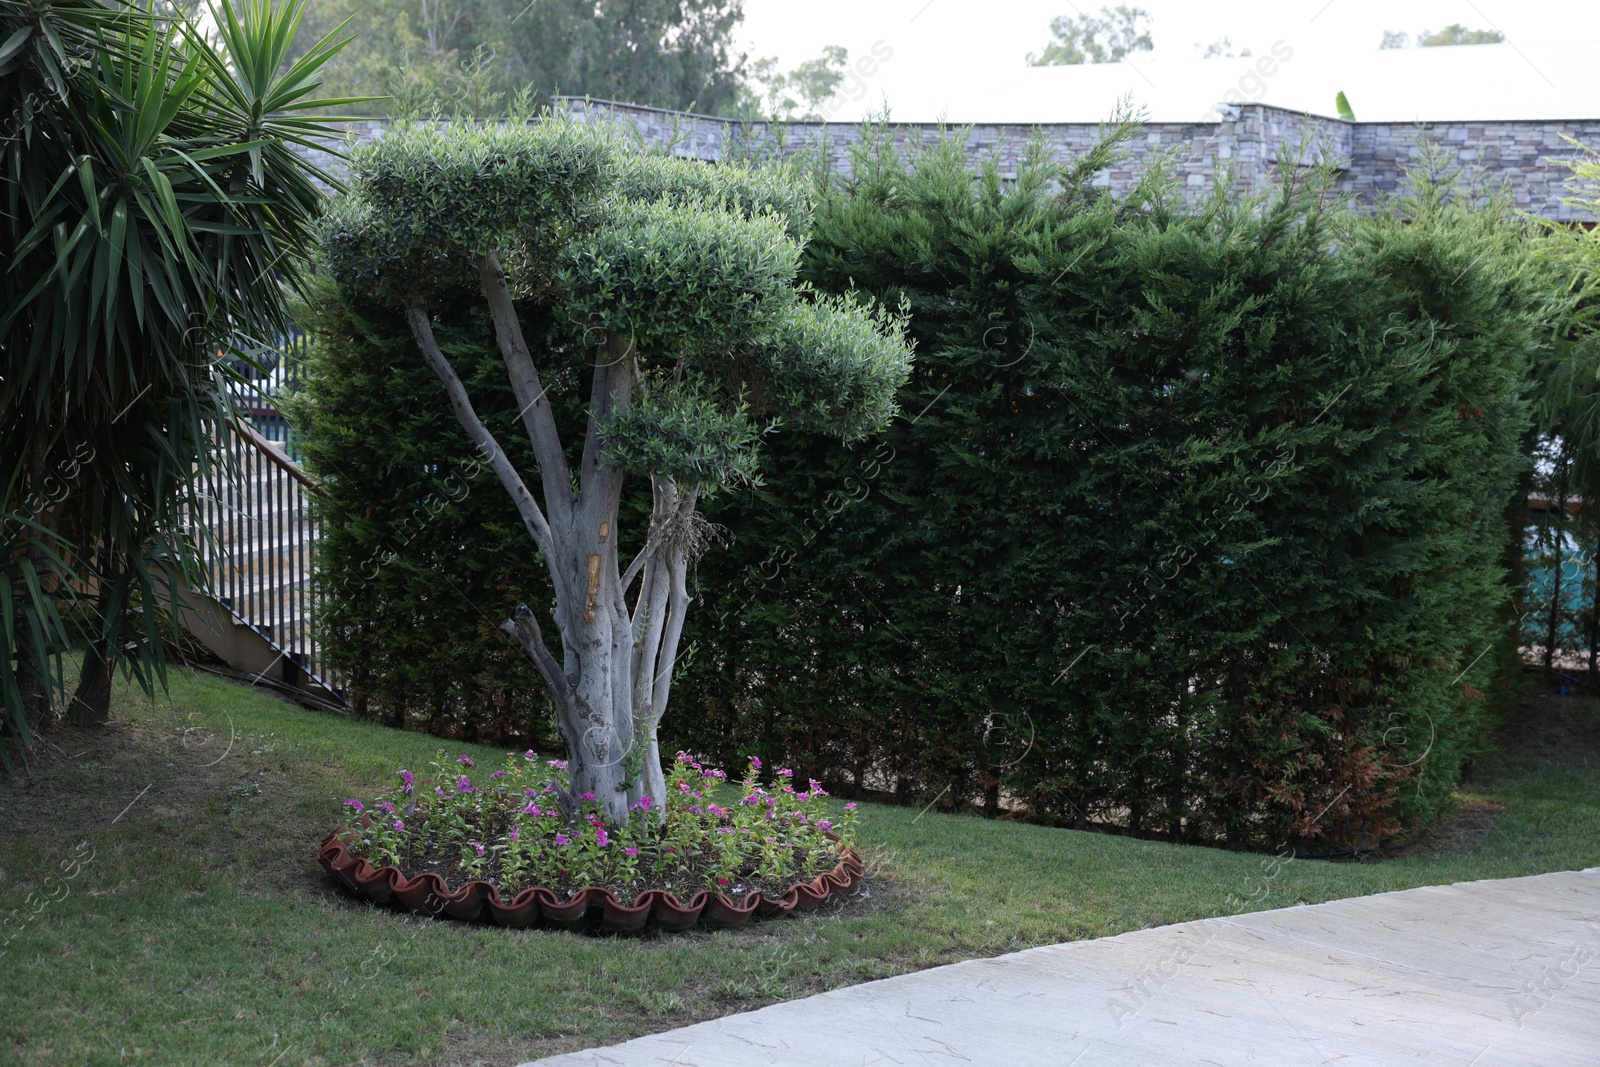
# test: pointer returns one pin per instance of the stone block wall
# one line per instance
(1251, 138)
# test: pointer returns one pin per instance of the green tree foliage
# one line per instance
(1453, 34)
(1108, 37)
(661, 294)
(460, 54)
(152, 208)
(800, 94)
(1196, 525)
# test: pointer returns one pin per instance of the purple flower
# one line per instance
(562, 839)
(824, 825)
(464, 784)
(600, 837)
(722, 881)
(630, 851)
(643, 803)
(466, 760)
(558, 764)
(724, 830)
(850, 807)
(354, 805)
(755, 764)
(516, 832)
(436, 789)
(713, 809)
(532, 809)
(387, 807)
(408, 779)
(817, 790)
(585, 796)
(498, 774)
(399, 827)
(530, 755)
(786, 772)
(477, 845)
(683, 787)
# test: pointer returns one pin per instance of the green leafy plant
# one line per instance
(506, 828)
(154, 215)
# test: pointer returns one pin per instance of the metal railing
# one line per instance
(263, 525)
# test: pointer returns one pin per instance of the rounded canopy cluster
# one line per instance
(694, 263)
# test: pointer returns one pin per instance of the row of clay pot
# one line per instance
(428, 894)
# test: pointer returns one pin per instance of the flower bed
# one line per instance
(501, 847)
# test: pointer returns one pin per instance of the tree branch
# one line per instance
(532, 517)
(524, 626)
(611, 392)
(537, 418)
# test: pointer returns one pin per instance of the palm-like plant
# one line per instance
(152, 213)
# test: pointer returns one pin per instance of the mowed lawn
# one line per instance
(185, 920)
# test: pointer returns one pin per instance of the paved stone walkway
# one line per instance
(1479, 974)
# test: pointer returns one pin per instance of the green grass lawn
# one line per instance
(200, 930)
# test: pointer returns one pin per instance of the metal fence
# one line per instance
(262, 522)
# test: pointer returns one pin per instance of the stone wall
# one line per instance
(1252, 138)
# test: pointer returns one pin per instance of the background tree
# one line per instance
(690, 339)
(1104, 38)
(152, 209)
(801, 93)
(1453, 34)
(664, 53)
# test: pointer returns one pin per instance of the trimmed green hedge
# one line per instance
(1194, 525)
(422, 552)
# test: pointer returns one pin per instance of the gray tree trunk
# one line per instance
(612, 678)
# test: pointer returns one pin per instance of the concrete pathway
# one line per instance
(1479, 974)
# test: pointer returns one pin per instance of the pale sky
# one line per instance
(964, 59)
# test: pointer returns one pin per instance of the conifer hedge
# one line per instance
(421, 552)
(1195, 524)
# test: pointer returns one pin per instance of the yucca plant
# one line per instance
(154, 215)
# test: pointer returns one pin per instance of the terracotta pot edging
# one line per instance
(427, 894)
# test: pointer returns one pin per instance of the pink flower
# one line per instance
(562, 839)
(630, 851)
(755, 764)
(643, 803)
(464, 784)
(532, 809)
(713, 809)
(388, 808)
(399, 827)
(515, 834)
(585, 796)
(600, 837)
(530, 755)
(354, 805)
(558, 764)
(465, 760)
(477, 845)
(498, 774)
(824, 825)
(850, 807)
(722, 881)
(786, 772)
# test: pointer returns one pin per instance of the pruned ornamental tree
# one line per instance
(694, 341)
